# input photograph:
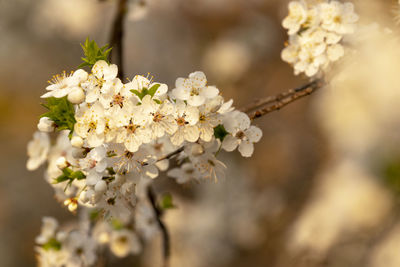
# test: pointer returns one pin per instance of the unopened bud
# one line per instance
(45, 125)
(77, 141)
(61, 163)
(76, 96)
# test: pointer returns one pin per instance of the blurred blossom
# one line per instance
(347, 200)
(386, 253)
(360, 107)
(226, 217)
(219, 6)
(138, 9)
(64, 18)
(227, 59)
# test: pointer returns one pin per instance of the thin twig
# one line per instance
(170, 155)
(158, 212)
(287, 98)
(117, 35)
(270, 99)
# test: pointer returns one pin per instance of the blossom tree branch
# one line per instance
(117, 35)
(273, 103)
(164, 231)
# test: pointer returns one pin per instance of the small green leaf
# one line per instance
(220, 132)
(111, 171)
(94, 53)
(69, 175)
(167, 202)
(153, 89)
(78, 175)
(53, 244)
(61, 112)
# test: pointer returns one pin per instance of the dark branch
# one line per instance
(170, 155)
(270, 99)
(281, 100)
(158, 212)
(117, 35)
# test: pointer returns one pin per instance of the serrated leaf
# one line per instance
(61, 112)
(94, 53)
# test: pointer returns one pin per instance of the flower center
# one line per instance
(181, 121)
(240, 135)
(194, 92)
(337, 19)
(157, 117)
(118, 100)
(132, 128)
(92, 126)
(128, 154)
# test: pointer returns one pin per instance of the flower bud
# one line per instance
(77, 141)
(100, 186)
(45, 125)
(61, 163)
(76, 96)
(83, 197)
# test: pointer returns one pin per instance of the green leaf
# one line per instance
(141, 94)
(153, 89)
(78, 175)
(62, 112)
(167, 202)
(69, 175)
(111, 171)
(94, 53)
(53, 244)
(220, 132)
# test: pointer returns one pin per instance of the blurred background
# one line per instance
(322, 186)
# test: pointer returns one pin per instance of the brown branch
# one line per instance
(281, 100)
(117, 35)
(270, 99)
(164, 231)
(173, 153)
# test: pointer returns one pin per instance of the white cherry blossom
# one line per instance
(194, 89)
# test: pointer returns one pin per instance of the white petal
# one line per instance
(178, 138)
(196, 100)
(198, 79)
(246, 148)
(210, 91)
(254, 134)
(95, 140)
(230, 143)
(191, 133)
(93, 178)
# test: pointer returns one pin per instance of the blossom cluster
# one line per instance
(81, 244)
(115, 137)
(316, 33)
